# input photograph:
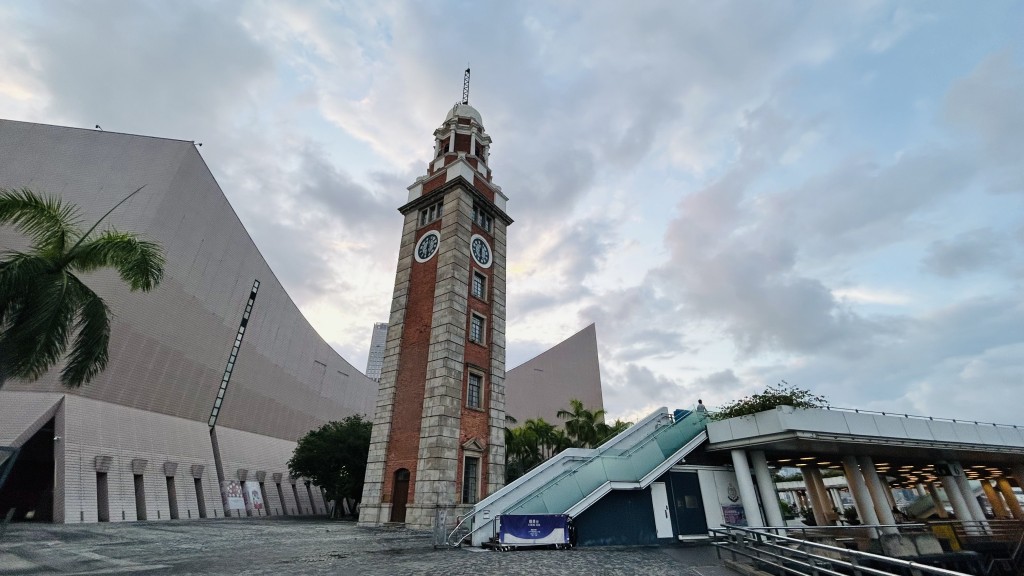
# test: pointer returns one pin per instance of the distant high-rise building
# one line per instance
(376, 359)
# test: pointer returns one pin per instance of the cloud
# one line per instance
(146, 68)
(967, 252)
(986, 106)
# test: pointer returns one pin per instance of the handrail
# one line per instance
(599, 453)
(765, 538)
(651, 437)
(919, 417)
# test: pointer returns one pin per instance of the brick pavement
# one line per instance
(307, 546)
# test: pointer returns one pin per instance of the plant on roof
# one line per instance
(45, 305)
(781, 394)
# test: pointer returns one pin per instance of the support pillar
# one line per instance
(921, 492)
(769, 496)
(877, 489)
(812, 479)
(995, 500)
(746, 486)
(940, 506)
(956, 499)
(1011, 498)
(859, 491)
(972, 502)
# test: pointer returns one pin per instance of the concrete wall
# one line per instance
(540, 387)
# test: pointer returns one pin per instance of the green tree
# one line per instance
(537, 440)
(43, 302)
(781, 394)
(582, 425)
(334, 457)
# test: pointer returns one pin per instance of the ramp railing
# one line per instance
(786, 555)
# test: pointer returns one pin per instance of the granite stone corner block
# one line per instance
(139, 465)
(170, 468)
(102, 463)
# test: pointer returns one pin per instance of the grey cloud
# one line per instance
(637, 386)
(148, 67)
(967, 252)
(352, 204)
(987, 106)
(962, 359)
(637, 323)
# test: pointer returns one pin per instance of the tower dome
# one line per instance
(464, 111)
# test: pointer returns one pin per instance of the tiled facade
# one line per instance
(543, 385)
(169, 347)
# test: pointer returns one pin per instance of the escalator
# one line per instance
(576, 479)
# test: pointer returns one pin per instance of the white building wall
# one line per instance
(169, 347)
(93, 428)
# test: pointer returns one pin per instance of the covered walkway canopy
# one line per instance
(875, 451)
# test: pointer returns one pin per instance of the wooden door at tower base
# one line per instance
(399, 495)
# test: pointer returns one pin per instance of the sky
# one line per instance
(737, 193)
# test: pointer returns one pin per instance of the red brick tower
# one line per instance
(438, 432)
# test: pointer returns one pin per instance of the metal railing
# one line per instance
(919, 417)
(805, 558)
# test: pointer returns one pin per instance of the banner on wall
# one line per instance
(231, 493)
(734, 515)
(253, 498)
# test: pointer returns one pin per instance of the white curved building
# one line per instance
(139, 441)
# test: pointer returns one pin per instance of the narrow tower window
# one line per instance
(470, 480)
(479, 285)
(474, 390)
(476, 329)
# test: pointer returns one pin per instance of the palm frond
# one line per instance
(139, 262)
(18, 275)
(39, 325)
(88, 355)
(48, 221)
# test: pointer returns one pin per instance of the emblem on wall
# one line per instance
(733, 493)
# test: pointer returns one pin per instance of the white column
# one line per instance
(921, 492)
(451, 141)
(995, 500)
(965, 486)
(956, 499)
(877, 489)
(816, 490)
(472, 144)
(940, 506)
(769, 496)
(859, 490)
(746, 486)
(888, 492)
(1010, 497)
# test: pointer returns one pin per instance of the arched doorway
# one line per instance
(399, 495)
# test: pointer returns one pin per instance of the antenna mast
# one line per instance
(465, 88)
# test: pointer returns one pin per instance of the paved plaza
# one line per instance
(307, 546)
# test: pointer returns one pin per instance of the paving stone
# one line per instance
(287, 545)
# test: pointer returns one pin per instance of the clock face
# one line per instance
(427, 246)
(481, 251)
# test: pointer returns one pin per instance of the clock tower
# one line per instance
(439, 429)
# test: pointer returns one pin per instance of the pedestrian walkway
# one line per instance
(308, 546)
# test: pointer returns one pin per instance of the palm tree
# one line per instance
(581, 424)
(42, 300)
